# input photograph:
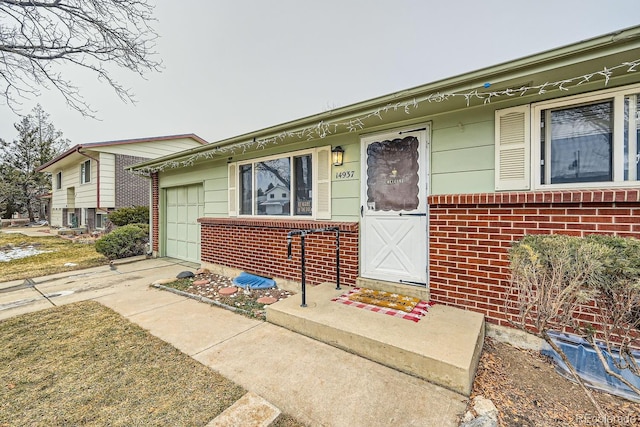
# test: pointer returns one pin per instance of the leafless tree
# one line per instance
(38, 38)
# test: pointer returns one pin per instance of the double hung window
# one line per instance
(289, 185)
(588, 140)
(85, 172)
(583, 141)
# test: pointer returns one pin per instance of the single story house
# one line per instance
(89, 180)
(435, 183)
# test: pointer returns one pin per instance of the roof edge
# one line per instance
(548, 56)
(77, 147)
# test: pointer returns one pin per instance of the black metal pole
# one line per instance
(338, 258)
(304, 272)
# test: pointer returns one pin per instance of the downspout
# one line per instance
(97, 175)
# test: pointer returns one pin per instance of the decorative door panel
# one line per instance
(394, 208)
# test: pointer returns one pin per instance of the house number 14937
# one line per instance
(345, 174)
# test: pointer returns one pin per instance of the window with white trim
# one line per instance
(59, 180)
(584, 141)
(294, 184)
(588, 139)
(85, 172)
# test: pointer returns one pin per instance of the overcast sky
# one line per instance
(235, 66)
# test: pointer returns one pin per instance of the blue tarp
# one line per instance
(585, 361)
(251, 281)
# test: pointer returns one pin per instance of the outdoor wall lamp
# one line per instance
(336, 155)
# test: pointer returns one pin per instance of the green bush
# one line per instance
(612, 260)
(132, 215)
(126, 241)
(553, 273)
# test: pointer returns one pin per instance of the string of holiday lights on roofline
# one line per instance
(323, 129)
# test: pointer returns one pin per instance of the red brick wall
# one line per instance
(469, 236)
(155, 214)
(260, 246)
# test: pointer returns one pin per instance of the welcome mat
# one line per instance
(386, 303)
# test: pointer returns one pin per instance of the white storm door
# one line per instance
(394, 206)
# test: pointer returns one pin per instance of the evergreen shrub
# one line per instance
(123, 242)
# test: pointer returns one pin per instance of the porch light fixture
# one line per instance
(336, 155)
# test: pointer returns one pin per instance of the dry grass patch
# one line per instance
(83, 364)
(59, 252)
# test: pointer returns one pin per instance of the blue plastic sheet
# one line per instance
(251, 281)
(584, 359)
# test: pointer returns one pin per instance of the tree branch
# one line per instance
(39, 37)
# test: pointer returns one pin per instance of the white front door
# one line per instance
(394, 206)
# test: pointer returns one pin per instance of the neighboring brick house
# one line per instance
(89, 180)
(436, 182)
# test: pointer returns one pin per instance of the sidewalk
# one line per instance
(314, 382)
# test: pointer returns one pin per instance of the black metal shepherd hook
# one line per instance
(303, 235)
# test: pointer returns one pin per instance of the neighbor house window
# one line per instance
(277, 186)
(101, 220)
(85, 172)
(58, 180)
(590, 139)
(294, 185)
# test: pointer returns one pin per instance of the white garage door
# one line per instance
(184, 205)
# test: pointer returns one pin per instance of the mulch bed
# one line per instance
(527, 391)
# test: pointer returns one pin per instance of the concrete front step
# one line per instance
(443, 347)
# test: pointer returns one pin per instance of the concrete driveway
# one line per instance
(316, 383)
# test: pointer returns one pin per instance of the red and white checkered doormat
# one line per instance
(415, 315)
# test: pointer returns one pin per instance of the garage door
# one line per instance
(184, 205)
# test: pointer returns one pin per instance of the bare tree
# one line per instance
(38, 37)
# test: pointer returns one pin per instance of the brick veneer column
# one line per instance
(260, 246)
(469, 237)
(155, 215)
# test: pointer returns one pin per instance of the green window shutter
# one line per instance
(513, 148)
(323, 194)
(233, 194)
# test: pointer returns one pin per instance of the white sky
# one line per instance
(235, 66)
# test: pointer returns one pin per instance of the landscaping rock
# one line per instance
(185, 275)
(230, 290)
(486, 414)
(483, 421)
(484, 406)
(203, 271)
(201, 282)
(267, 300)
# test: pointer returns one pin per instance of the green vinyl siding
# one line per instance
(345, 191)
(465, 160)
(462, 153)
(463, 182)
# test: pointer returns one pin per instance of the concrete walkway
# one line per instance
(312, 381)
